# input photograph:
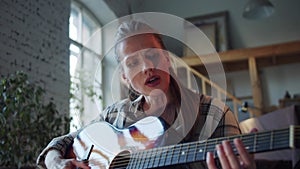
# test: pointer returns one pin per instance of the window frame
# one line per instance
(78, 42)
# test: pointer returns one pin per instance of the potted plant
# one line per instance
(27, 121)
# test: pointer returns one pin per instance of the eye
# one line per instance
(152, 55)
(132, 62)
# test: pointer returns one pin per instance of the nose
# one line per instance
(147, 64)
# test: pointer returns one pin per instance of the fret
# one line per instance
(241, 137)
(142, 159)
(281, 140)
(281, 144)
(248, 141)
(271, 140)
(292, 136)
(183, 154)
(232, 144)
(131, 161)
(254, 145)
(200, 151)
(147, 158)
(151, 158)
(157, 157)
(260, 142)
(211, 146)
(176, 152)
(138, 159)
(191, 154)
(163, 157)
(170, 156)
(213, 149)
(134, 158)
(205, 150)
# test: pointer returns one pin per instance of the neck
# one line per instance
(156, 102)
(162, 104)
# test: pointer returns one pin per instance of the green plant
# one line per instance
(27, 121)
(83, 87)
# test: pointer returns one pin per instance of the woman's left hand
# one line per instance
(228, 159)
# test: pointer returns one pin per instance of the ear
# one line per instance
(124, 78)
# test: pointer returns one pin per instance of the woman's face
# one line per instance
(145, 64)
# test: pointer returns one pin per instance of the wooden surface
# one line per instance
(256, 86)
(288, 50)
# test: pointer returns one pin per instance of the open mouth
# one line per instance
(152, 81)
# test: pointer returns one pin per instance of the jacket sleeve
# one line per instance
(228, 126)
(62, 144)
(59, 143)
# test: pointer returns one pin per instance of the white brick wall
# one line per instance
(34, 38)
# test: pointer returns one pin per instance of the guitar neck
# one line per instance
(196, 151)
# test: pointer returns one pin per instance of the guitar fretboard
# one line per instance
(196, 151)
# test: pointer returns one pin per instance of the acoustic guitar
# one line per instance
(141, 145)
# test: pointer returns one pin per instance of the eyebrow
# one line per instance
(130, 55)
(145, 51)
(135, 53)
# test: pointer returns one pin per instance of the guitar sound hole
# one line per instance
(120, 161)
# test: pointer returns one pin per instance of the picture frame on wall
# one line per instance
(214, 26)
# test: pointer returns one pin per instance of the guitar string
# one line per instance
(174, 154)
(121, 161)
(151, 161)
(296, 135)
(146, 156)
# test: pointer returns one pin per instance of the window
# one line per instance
(85, 66)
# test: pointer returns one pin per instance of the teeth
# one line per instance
(152, 79)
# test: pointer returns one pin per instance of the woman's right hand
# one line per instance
(54, 160)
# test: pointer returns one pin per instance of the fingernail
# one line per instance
(253, 130)
(225, 142)
(219, 147)
(207, 156)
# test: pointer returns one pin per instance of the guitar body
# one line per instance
(112, 145)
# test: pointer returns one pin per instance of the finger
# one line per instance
(222, 157)
(80, 164)
(66, 163)
(210, 160)
(231, 157)
(245, 157)
(253, 130)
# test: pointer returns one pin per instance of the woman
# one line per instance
(155, 91)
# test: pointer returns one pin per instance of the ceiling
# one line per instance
(107, 10)
(283, 26)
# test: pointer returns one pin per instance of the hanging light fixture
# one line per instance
(256, 9)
